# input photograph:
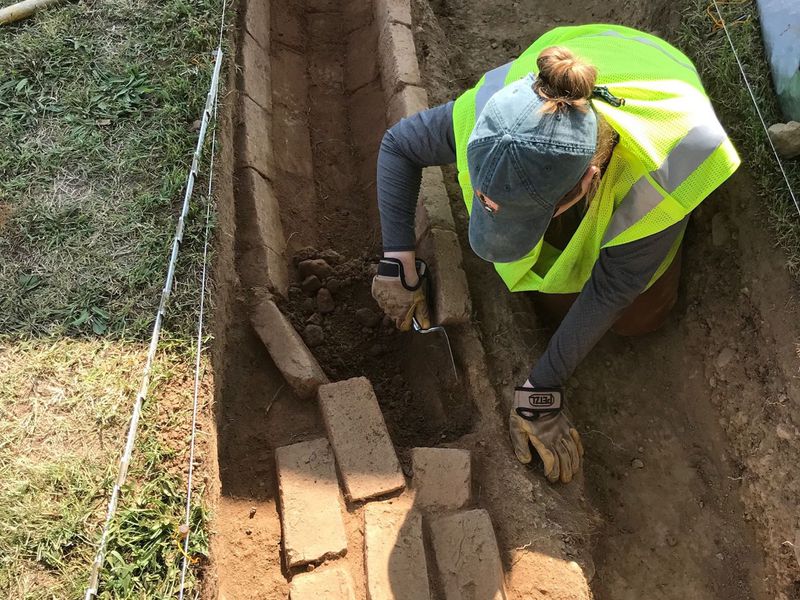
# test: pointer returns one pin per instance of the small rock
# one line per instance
(334, 285)
(248, 531)
(332, 256)
(641, 449)
(313, 335)
(310, 567)
(637, 463)
(252, 511)
(325, 302)
(494, 45)
(786, 138)
(672, 541)
(311, 284)
(720, 556)
(183, 530)
(308, 305)
(725, 357)
(316, 266)
(785, 432)
(712, 382)
(196, 125)
(315, 319)
(719, 230)
(367, 317)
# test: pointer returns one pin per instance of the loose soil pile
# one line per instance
(688, 490)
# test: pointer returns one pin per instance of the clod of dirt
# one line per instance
(316, 266)
(308, 305)
(334, 285)
(311, 284)
(720, 235)
(367, 317)
(637, 463)
(725, 357)
(252, 512)
(313, 335)
(315, 319)
(325, 303)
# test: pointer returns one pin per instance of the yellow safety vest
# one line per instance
(672, 151)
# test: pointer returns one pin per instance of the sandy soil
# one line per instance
(706, 407)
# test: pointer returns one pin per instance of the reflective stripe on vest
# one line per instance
(691, 152)
(650, 43)
(493, 82)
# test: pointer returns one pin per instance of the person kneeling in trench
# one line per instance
(579, 163)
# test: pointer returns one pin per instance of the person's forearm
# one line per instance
(619, 276)
(424, 139)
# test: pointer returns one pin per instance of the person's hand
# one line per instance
(537, 418)
(399, 300)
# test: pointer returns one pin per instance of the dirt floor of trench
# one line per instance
(688, 488)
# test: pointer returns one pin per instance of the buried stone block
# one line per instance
(433, 208)
(467, 556)
(256, 21)
(292, 357)
(442, 478)
(451, 301)
(398, 58)
(408, 101)
(311, 513)
(265, 232)
(332, 583)
(392, 11)
(254, 76)
(253, 136)
(394, 554)
(364, 451)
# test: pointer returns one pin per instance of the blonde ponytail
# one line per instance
(564, 80)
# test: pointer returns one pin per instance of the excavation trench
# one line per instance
(671, 504)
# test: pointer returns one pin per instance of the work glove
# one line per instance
(537, 417)
(399, 300)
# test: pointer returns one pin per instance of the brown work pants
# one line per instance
(645, 314)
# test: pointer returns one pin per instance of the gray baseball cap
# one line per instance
(523, 161)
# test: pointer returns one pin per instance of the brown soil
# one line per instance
(705, 404)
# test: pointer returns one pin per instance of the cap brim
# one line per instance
(502, 240)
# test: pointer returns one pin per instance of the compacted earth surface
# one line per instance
(688, 488)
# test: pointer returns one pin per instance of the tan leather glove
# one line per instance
(397, 299)
(537, 417)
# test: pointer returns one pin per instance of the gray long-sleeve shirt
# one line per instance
(620, 274)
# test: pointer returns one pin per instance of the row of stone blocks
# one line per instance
(404, 96)
(462, 540)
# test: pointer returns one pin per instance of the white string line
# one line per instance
(124, 462)
(199, 347)
(758, 110)
(198, 350)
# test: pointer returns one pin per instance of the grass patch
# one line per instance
(98, 103)
(64, 409)
(715, 61)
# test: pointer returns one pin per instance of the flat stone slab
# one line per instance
(442, 478)
(394, 553)
(333, 583)
(311, 506)
(364, 451)
(467, 556)
(287, 349)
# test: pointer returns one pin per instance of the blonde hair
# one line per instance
(565, 81)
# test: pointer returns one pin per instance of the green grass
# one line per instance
(715, 61)
(97, 103)
(97, 106)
